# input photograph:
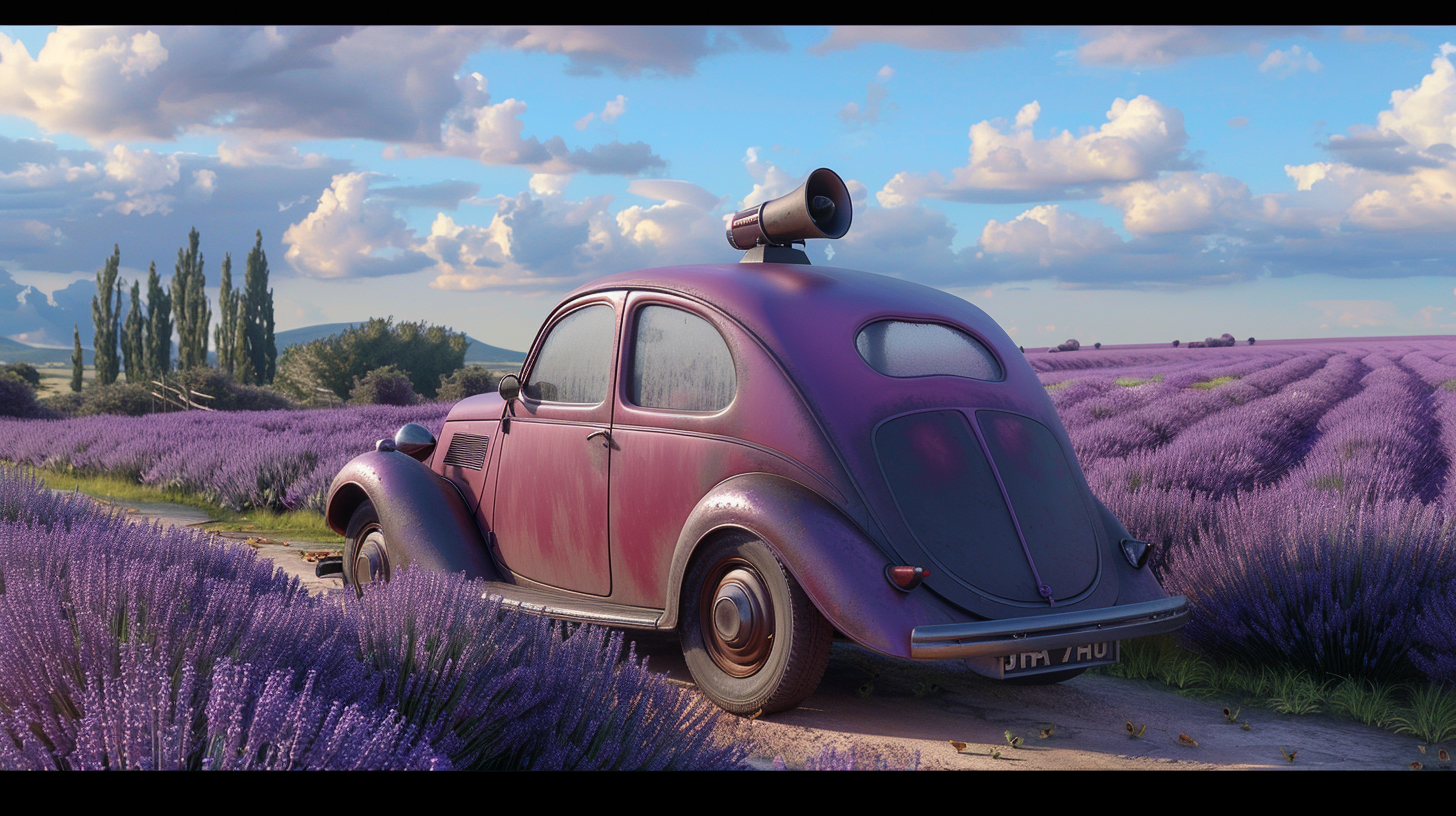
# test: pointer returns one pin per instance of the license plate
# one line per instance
(1089, 654)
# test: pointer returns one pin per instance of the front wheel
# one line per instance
(366, 555)
(750, 635)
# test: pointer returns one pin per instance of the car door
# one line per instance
(551, 508)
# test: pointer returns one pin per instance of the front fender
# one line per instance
(425, 519)
(837, 565)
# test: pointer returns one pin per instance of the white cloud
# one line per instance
(32, 174)
(204, 183)
(1426, 114)
(1162, 45)
(1050, 234)
(769, 180)
(1285, 63)
(631, 50)
(347, 235)
(1141, 137)
(1179, 202)
(143, 173)
(932, 38)
(875, 96)
(614, 109)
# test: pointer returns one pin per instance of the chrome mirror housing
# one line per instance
(415, 441)
(510, 387)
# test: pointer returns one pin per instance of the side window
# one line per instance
(680, 362)
(575, 360)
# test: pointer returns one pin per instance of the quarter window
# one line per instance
(897, 348)
(575, 360)
(680, 362)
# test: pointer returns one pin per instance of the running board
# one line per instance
(584, 610)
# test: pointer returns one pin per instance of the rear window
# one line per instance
(899, 348)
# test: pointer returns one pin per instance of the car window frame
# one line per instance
(576, 411)
(629, 357)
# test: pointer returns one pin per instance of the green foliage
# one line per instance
(1213, 383)
(227, 393)
(386, 385)
(24, 371)
(106, 312)
(1430, 714)
(189, 301)
(1131, 382)
(130, 399)
(133, 338)
(17, 396)
(77, 365)
(1296, 693)
(467, 382)
(158, 350)
(424, 352)
(1365, 701)
(225, 335)
(254, 341)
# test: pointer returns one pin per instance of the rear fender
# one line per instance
(837, 565)
(426, 521)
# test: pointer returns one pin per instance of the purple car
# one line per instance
(760, 456)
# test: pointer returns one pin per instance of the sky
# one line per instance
(1109, 184)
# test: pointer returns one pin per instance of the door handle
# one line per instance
(606, 438)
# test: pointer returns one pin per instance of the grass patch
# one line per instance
(301, 523)
(1131, 382)
(1213, 383)
(1064, 383)
(1424, 710)
(1449, 385)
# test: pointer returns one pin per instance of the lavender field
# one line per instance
(1300, 493)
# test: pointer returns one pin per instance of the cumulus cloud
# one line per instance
(143, 173)
(931, 38)
(1050, 234)
(350, 235)
(204, 182)
(875, 96)
(1179, 202)
(1008, 163)
(1399, 175)
(1163, 45)
(1285, 63)
(491, 133)
(630, 51)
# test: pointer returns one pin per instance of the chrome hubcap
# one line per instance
(738, 618)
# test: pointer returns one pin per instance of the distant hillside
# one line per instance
(14, 351)
(477, 353)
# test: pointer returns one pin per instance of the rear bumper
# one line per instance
(995, 638)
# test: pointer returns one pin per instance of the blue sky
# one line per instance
(1112, 184)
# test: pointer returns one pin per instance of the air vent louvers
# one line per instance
(467, 451)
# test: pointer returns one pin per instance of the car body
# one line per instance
(759, 456)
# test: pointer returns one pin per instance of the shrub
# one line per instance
(386, 385)
(1251, 341)
(129, 399)
(1070, 345)
(1097, 346)
(17, 396)
(423, 352)
(1175, 344)
(227, 393)
(26, 371)
(467, 382)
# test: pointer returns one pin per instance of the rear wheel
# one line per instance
(366, 555)
(750, 635)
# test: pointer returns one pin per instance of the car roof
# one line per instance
(798, 310)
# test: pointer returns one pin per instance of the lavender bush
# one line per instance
(129, 646)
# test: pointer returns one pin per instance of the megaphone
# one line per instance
(820, 208)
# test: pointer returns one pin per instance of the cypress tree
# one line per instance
(133, 341)
(77, 368)
(256, 315)
(189, 302)
(106, 314)
(159, 326)
(226, 333)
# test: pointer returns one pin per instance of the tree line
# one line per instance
(243, 337)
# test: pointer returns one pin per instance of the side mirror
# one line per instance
(415, 441)
(510, 387)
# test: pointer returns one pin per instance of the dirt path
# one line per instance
(905, 714)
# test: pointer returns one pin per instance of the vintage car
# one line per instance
(759, 456)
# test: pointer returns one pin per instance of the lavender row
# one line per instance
(127, 646)
(1380, 444)
(241, 460)
(1243, 447)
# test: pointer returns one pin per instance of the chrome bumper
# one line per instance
(995, 638)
